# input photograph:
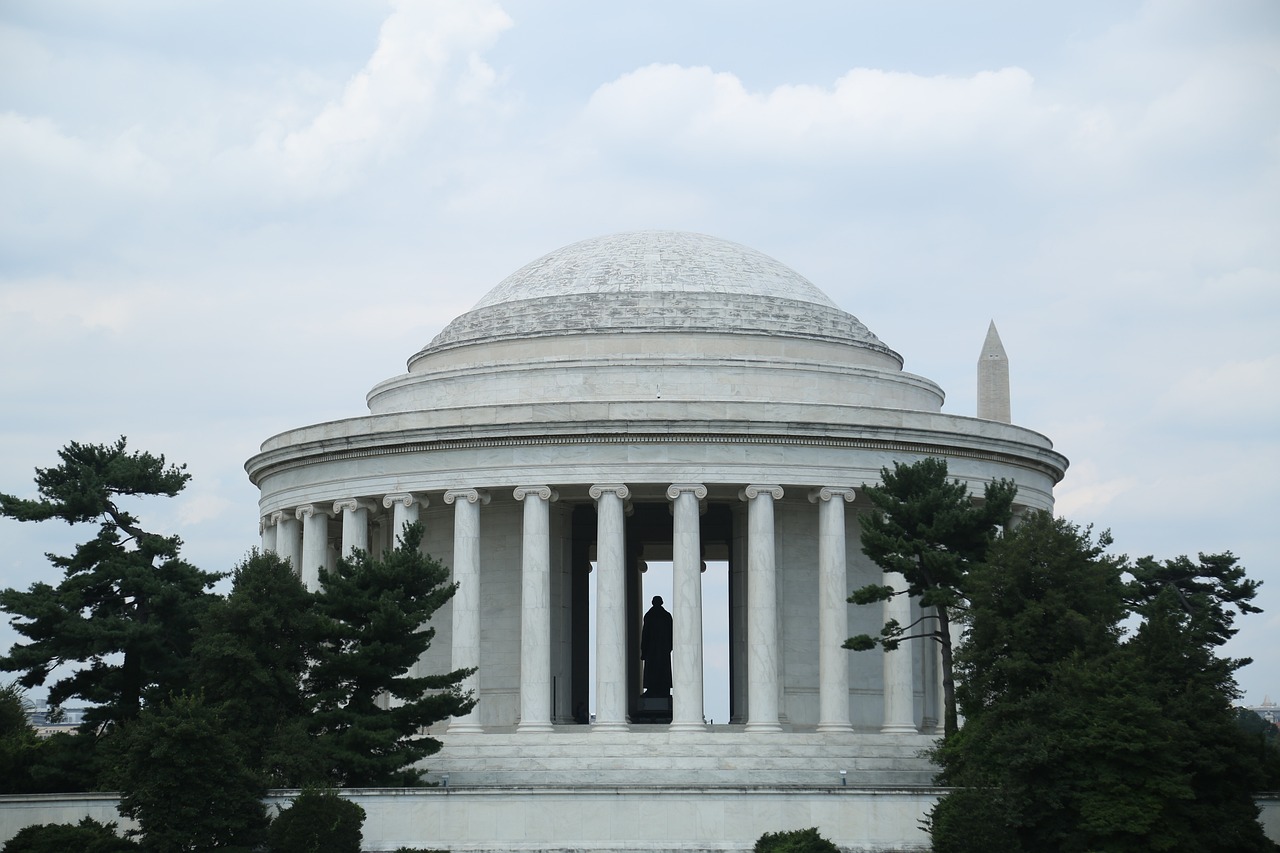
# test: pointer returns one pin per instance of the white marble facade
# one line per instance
(656, 391)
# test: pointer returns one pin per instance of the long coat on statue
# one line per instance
(655, 650)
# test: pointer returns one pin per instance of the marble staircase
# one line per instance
(722, 756)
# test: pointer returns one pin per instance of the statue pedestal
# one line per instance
(653, 709)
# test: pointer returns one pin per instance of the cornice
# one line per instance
(921, 442)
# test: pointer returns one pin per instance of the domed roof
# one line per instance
(655, 262)
(655, 281)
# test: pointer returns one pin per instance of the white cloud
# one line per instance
(426, 52)
(866, 110)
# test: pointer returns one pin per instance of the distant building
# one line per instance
(44, 721)
(1268, 711)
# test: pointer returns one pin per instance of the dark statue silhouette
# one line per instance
(655, 650)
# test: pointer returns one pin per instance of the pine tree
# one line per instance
(1077, 739)
(367, 709)
(126, 608)
(251, 660)
(932, 533)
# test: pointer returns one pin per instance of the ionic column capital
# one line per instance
(309, 510)
(546, 493)
(612, 488)
(676, 489)
(404, 499)
(353, 504)
(826, 493)
(470, 496)
(755, 490)
(282, 515)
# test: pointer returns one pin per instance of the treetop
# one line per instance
(83, 488)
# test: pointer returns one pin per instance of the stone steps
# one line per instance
(653, 756)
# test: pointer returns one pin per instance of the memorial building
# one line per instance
(640, 398)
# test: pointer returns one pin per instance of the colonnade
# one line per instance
(301, 535)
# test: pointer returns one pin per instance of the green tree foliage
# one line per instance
(88, 836)
(185, 780)
(30, 764)
(1264, 741)
(317, 686)
(1048, 592)
(251, 659)
(125, 610)
(795, 841)
(1077, 739)
(318, 821)
(927, 529)
(1187, 610)
(366, 708)
(18, 741)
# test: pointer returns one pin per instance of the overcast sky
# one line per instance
(221, 220)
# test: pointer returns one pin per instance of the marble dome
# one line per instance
(648, 318)
(653, 281)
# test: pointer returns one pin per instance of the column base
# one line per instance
(687, 727)
(610, 727)
(464, 728)
(899, 730)
(524, 728)
(835, 727)
(752, 728)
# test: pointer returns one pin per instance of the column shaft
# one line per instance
(899, 695)
(267, 529)
(611, 608)
(535, 610)
(686, 609)
(315, 544)
(288, 538)
(466, 601)
(355, 525)
(833, 619)
(762, 610)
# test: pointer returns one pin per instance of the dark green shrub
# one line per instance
(184, 779)
(318, 821)
(972, 820)
(88, 836)
(795, 841)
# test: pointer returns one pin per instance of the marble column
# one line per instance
(611, 607)
(288, 538)
(762, 610)
(466, 601)
(355, 525)
(315, 544)
(931, 677)
(687, 713)
(535, 609)
(267, 530)
(833, 610)
(404, 508)
(899, 690)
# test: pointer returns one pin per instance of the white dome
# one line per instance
(655, 281)
(655, 262)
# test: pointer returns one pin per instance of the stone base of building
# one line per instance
(597, 819)
(608, 820)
